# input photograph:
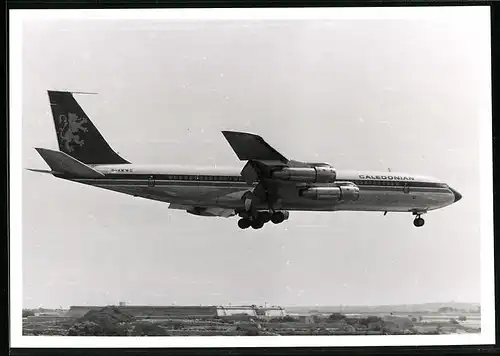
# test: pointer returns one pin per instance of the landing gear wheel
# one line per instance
(418, 222)
(264, 216)
(244, 223)
(278, 217)
(257, 224)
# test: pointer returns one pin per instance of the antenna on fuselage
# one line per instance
(389, 169)
(79, 92)
(83, 92)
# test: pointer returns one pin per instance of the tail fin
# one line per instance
(76, 134)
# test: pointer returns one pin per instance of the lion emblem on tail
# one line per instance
(70, 128)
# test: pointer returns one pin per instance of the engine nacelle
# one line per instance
(349, 192)
(340, 193)
(320, 174)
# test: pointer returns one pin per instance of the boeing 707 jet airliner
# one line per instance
(267, 188)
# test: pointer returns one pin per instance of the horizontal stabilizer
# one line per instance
(252, 147)
(63, 163)
(41, 170)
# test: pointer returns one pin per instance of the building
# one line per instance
(236, 310)
(271, 312)
(307, 319)
(143, 311)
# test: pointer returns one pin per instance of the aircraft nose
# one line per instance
(457, 195)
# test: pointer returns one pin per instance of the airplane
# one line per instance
(266, 189)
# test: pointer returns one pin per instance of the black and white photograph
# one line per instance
(251, 177)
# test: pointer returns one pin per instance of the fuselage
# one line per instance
(224, 187)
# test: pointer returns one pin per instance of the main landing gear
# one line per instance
(418, 222)
(262, 217)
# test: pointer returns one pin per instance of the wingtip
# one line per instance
(227, 133)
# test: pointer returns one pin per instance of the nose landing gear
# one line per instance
(418, 222)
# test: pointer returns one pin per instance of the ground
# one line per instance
(110, 321)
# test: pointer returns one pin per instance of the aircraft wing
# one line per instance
(248, 147)
(262, 159)
(268, 167)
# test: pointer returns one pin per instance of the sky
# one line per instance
(359, 94)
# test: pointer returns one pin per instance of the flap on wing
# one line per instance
(252, 147)
(204, 211)
(179, 206)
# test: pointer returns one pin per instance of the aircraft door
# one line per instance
(151, 181)
(406, 188)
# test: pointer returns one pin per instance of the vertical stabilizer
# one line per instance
(76, 135)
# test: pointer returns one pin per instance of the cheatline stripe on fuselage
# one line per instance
(165, 180)
(239, 179)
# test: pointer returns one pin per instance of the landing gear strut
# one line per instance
(418, 222)
(257, 219)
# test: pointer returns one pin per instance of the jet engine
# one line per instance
(319, 174)
(340, 193)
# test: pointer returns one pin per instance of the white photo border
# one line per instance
(16, 18)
